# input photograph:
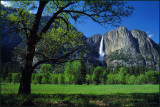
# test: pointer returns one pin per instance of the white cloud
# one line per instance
(151, 35)
(147, 32)
(5, 3)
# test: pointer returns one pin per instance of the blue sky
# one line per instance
(145, 18)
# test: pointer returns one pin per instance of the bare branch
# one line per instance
(82, 12)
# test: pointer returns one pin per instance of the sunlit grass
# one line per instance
(82, 89)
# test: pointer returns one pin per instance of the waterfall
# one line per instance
(101, 52)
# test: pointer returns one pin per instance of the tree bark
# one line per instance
(25, 84)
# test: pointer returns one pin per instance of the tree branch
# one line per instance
(35, 26)
(68, 61)
(81, 12)
(37, 53)
(56, 60)
(46, 27)
(59, 17)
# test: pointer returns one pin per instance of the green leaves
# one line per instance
(12, 17)
(59, 41)
(45, 68)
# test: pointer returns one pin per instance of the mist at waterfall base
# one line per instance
(101, 52)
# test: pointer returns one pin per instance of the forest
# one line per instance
(78, 73)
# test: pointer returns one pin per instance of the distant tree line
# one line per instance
(77, 72)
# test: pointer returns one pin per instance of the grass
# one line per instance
(83, 95)
(82, 89)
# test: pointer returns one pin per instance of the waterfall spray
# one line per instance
(101, 52)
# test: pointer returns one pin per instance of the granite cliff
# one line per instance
(126, 48)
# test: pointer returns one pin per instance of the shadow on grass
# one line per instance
(79, 100)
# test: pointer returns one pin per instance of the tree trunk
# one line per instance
(25, 84)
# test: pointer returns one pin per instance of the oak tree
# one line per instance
(34, 31)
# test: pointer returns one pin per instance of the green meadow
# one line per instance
(82, 95)
(82, 89)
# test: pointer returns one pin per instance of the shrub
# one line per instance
(60, 79)
(97, 74)
(33, 77)
(8, 79)
(131, 79)
(88, 79)
(45, 78)
(68, 73)
(37, 79)
(16, 77)
(45, 68)
(127, 78)
(55, 79)
(111, 79)
(140, 79)
(152, 77)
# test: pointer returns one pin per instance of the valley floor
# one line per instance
(82, 95)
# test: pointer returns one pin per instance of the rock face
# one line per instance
(94, 43)
(127, 48)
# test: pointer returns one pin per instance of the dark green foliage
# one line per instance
(75, 72)
(97, 75)
(37, 79)
(104, 77)
(141, 79)
(88, 79)
(118, 77)
(45, 78)
(10, 67)
(16, 77)
(121, 75)
(136, 70)
(54, 78)
(60, 79)
(83, 72)
(131, 79)
(33, 77)
(111, 78)
(152, 77)
(5, 71)
(8, 79)
(89, 68)
(58, 68)
(132, 75)
(45, 68)
(68, 73)
(127, 76)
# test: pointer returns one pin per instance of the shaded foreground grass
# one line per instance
(85, 95)
(133, 99)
